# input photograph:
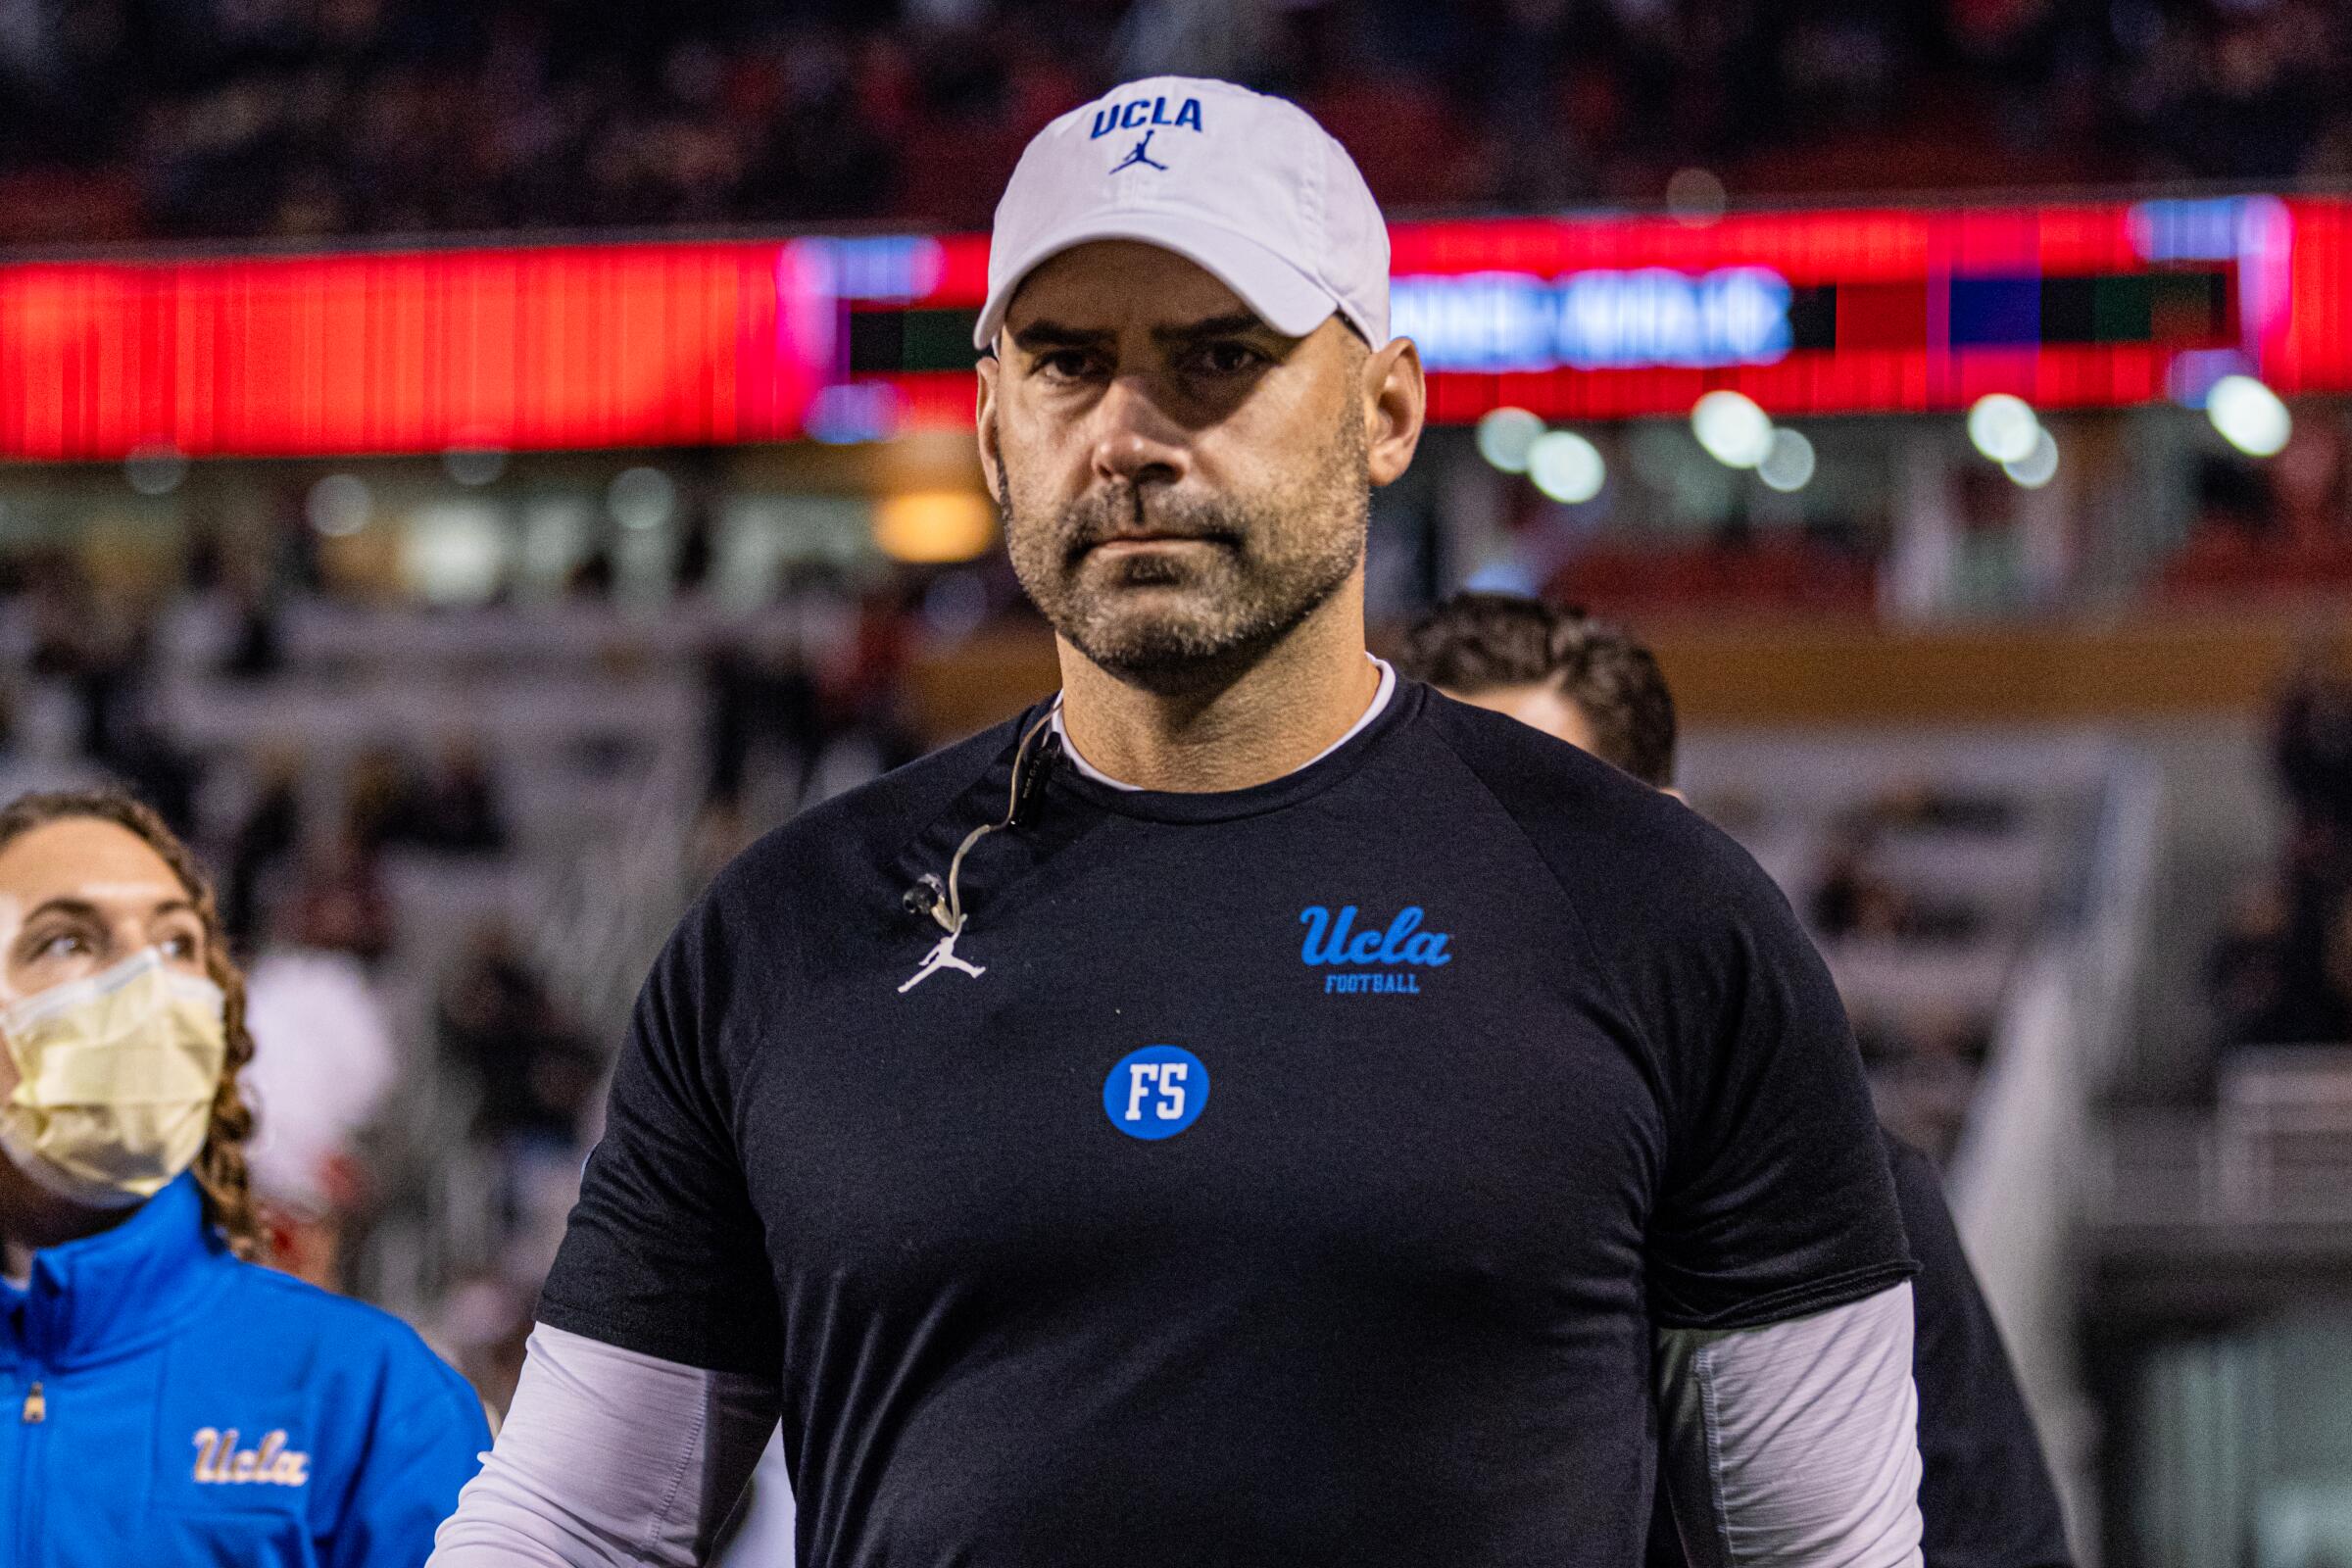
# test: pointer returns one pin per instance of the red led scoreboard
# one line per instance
(1892, 310)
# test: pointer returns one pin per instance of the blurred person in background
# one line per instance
(459, 810)
(162, 1398)
(325, 1060)
(535, 1074)
(267, 834)
(2311, 736)
(2280, 970)
(1985, 1497)
(1850, 899)
(381, 796)
(451, 808)
(535, 1071)
(340, 888)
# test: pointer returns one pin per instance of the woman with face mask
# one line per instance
(162, 1398)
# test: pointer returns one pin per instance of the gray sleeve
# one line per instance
(1795, 1444)
(609, 1457)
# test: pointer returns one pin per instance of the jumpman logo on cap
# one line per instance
(1141, 155)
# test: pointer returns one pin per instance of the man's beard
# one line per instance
(1170, 619)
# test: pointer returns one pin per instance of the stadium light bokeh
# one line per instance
(2001, 426)
(1505, 436)
(1788, 462)
(2040, 465)
(1732, 429)
(2249, 416)
(1566, 467)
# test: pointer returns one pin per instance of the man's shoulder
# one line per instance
(1588, 819)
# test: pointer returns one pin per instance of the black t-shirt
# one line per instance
(1299, 1183)
(1985, 1491)
(1986, 1498)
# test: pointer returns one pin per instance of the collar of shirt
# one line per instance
(118, 1288)
(1380, 700)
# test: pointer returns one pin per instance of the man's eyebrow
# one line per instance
(1037, 336)
(1239, 321)
(1055, 336)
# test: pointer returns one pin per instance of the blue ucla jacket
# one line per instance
(162, 1402)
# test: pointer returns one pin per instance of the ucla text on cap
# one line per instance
(1142, 111)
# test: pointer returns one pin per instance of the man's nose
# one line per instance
(1135, 440)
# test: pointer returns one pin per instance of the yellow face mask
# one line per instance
(115, 1080)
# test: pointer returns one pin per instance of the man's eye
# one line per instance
(1063, 365)
(64, 944)
(1228, 358)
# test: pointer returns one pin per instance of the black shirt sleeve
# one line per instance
(1775, 1201)
(1985, 1494)
(1772, 1199)
(664, 1253)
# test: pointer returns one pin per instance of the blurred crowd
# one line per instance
(411, 1032)
(301, 117)
(1921, 895)
(2282, 966)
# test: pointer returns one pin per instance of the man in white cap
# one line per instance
(1247, 1110)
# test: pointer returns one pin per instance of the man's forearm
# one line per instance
(1795, 1444)
(609, 1458)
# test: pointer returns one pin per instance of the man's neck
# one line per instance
(1276, 715)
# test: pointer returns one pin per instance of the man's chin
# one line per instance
(1164, 650)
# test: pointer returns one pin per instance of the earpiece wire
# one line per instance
(949, 912)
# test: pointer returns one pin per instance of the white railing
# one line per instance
(2019, 1180)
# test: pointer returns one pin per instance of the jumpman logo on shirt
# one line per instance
(1141, 155)
(943, 957)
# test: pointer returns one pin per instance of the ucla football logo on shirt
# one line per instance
(1155, 1093)
(1371, 959)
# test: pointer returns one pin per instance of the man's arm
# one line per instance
(1778, 1269)
(1985, 1492)
(609, 1458)
(652, 1382)
(1792, 1445)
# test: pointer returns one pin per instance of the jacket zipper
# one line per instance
(34, 1416)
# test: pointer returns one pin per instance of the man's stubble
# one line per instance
(1271, 561)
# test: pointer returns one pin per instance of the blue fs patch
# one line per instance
(1155, 1093)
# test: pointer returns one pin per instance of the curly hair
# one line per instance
(1476, 642)
(220, 1171)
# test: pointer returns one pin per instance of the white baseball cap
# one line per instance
(1245, 186)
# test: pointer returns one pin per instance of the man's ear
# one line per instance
(991, 462)
(1395, 403)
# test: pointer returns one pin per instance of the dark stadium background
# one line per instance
(475, 466)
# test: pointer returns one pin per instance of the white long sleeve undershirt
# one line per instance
(609, 1457)
(1797, 1443)
(1790, 1445)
